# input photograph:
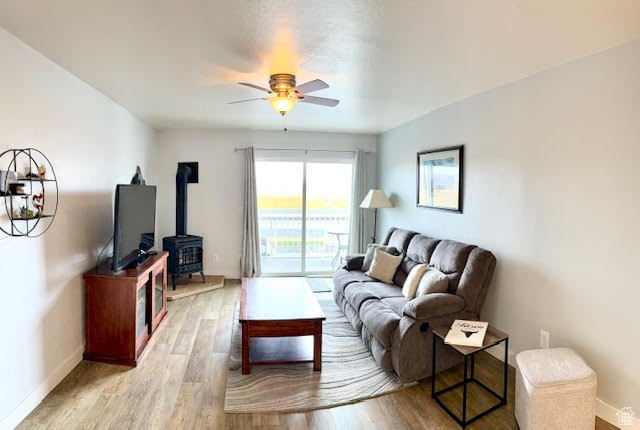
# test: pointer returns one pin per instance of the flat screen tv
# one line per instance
(134, 225)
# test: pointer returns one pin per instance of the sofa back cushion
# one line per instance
(419, 251)
(400, 239)
(421, 248)
(474, 282)
(468, 268)
(450, 257)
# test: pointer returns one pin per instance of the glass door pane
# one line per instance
(279, 186)
(141, 309)
(158, 299)
(328, 199)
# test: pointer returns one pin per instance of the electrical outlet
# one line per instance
(544, 339)
(214, 257)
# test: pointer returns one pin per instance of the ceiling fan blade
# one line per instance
(311, 86)
(257, 87)
(323, 101)
(248, 100)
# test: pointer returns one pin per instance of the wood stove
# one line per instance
(185, 251)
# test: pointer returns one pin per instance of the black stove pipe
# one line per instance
(181, 200)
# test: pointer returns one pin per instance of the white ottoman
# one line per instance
(555, 389)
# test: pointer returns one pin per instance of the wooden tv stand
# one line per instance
(124, 309)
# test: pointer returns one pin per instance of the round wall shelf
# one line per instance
(29, 188)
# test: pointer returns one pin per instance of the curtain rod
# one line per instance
(236, 149)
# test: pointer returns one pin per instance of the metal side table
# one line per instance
(492, 338)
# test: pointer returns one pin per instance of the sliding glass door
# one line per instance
(303, 214)
(328, 203)
(280, 206)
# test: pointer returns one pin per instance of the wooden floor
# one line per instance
(180, 384)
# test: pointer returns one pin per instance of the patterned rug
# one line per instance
(349, 373)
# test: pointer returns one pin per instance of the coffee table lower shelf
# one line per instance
(281, 345)
(281, 350)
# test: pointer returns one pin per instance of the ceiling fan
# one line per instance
(284, 93)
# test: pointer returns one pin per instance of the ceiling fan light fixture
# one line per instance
(283, 104)
(284, 93)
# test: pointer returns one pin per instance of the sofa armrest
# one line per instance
(354, 261)
(434, 304)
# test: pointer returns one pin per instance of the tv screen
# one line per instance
(135, 220)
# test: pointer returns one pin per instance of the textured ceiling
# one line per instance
(174, 63)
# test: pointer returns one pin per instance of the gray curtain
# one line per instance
(358, 230)
(250, 260)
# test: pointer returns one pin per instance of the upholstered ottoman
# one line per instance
(555, 389)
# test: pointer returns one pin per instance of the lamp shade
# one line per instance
(376, 199)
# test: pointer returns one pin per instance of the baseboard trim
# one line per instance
(228, 274)
(33, 400)
(609, 413)
(603, 410)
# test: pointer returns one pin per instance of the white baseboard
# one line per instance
(609, 414)
(603, 409)
(33, 400)
(228, 274)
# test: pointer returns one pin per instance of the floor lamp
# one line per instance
(373, 200)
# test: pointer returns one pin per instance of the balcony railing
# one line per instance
(281, 235)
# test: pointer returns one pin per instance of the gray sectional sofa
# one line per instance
(397, 331)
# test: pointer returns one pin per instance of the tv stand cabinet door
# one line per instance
(158, 295)
(110, 320)
(141, 320)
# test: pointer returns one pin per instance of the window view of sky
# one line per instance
(280, 185)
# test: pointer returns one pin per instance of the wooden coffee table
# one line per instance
(278, 317)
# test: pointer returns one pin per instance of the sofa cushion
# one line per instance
(421, 248)
(396, 304)
(450, 257)
(380, 320)
(400, 239)
(344, 277)
(474, 282)
(358, 293)
(387, 236)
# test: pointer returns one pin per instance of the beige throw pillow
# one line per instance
(384, 266)
(368, 258)
(413, 279)
(433, 281)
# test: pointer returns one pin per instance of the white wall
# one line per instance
(215, 203)
(93, 144)
(551, 187)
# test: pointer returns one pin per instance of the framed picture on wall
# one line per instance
(439, 179)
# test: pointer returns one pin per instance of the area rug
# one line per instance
(186, 287)
(349, 373)
(320, 285)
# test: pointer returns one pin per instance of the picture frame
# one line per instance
(439, 178)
